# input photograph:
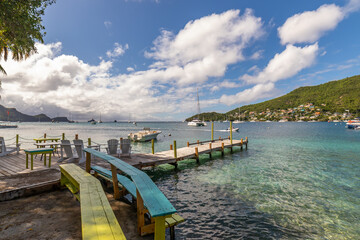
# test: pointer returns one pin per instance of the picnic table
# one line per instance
(35, 152)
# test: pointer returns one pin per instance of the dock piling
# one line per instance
(198, 142)
(210, 150)
(212, 131)
(63, 136)
(188, 144)
(44, 135)
(222, 149)
(246, 142)
(242, 143)
(197, 155)
(175, 152)
(231, 138)
(76, 136)
(17, 144)
(152, 146)
(171, 147)
(89, 142)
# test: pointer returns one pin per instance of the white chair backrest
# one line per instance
(112, 146)
(67, 148)
(125, 146)
(79, 146)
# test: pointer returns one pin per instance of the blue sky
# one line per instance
(145, 58)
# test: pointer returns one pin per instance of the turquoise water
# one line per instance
(295, 181)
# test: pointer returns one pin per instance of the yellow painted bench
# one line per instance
(37, 151)
(98, 220)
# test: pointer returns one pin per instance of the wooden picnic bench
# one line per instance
(149, 199)
(37, 151)
(98, 220)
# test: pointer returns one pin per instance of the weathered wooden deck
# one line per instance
(13, 164)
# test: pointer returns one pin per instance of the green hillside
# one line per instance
(335, 97)
(11, 114)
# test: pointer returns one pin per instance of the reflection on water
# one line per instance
(296, 180)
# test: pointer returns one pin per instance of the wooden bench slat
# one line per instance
(39, 150)
(97, 217)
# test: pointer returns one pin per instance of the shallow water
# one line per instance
(295, 181)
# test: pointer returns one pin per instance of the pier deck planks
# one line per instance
(14, 164)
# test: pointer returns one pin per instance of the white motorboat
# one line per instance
(233, 129)
(196, 123)
(143, 136)
(353, 124)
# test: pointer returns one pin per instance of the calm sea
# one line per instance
(295, 181)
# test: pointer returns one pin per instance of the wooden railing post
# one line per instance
(175, 152)
(188, 144)
(231, 137)
(197, 154)
(44, 135)
(198, 142)
(222, 149)
(152, 146)
(242, 142)
(210, 150)
(17, 144)
(171, 147)
(76, 136)
(88, 162)
(63, 136)
(212, 131)
(246, 142)
(89, 142)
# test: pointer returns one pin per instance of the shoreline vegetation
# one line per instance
(332, 101)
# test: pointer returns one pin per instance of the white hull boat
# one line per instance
(144, 135)
(196, 123)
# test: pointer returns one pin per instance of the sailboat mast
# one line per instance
(198, 103)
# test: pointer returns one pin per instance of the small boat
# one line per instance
(233, 129)
(196, 123)
(91, 120)
(353, 124)
(143, 136)
(8, 126)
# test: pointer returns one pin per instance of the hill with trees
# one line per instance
(332, 97)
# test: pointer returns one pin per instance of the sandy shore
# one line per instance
(56, 215)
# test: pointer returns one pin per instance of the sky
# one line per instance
(147, 59)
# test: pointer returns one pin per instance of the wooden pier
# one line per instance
(192, 151)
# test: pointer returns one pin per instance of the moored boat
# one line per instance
(353, 124)
(143, 136)
(196, 123)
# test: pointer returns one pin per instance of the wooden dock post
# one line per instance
(152, 146)
(44, 135)
(212, 131)
(242, 142)
(175, 153)
(246, 142)
(63, 136)
(188, 144)
(121, 139)
(231, 141)
(89, 142)
(222, 149)
(76, 136)
(198, 142)
(17, 144)
(171, 147)
(220, 139)
(88, 162)
(197, 154)
(210, 150)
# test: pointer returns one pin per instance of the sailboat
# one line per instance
(239, 121)
(100, 119)
(196, 122)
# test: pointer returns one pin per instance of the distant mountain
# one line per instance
(334, 96)
(11, 114)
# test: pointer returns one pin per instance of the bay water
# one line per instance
(295, 180)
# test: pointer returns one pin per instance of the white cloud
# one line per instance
(259, 91)
(205, 47)
(130, 69)
(309, 26)
(107, 24)
(286, 64)
(117, 51)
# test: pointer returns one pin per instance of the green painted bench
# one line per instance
(37, 151)
(129, 186)
(149, 199)
(98, 220)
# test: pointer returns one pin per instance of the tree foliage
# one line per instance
(335, 96)
(20, 27)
